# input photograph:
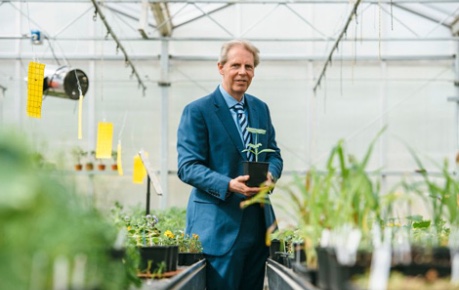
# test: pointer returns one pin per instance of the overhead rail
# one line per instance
(145, 57)
(247, 1)
(422, 15)
(119, 45)
(335, 45)
(252, 39)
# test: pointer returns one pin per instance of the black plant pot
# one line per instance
(424, 260)
(285, 259)
(173, 258)
(323, 279)
(157, 255)
(274, 250)
(305, 273)
(341, 275)
(299, 252)
(258, 172)
(188, 259)
(117, 254)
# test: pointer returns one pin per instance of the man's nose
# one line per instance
(242, 71)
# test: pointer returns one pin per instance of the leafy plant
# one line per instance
(78, 153)
(287, 237)
(164, 227)
(142, 230)
(254, 148)
(44, 224)
(188, 244)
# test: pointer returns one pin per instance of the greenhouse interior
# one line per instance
(123, 163)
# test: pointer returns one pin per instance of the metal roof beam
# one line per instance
(265, 58)
(422, 15)
(162, 17)
(129, 16)
(455, 27)
(203, 15)
(220, 39)
(245, 1)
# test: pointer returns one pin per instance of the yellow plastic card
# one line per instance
(104, 140)
(139, 170)
(35, 79)
(118, 160)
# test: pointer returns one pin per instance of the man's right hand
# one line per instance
(238, 185)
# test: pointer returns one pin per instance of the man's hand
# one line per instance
(270, 180)
(238, 185)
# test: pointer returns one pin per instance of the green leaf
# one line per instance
(421, 224)
(256, 130)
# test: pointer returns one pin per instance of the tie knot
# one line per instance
(239, 108)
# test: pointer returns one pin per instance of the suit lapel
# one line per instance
(224, 115)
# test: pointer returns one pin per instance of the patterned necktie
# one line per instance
(243, 123)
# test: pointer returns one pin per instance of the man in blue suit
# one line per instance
(210, 146)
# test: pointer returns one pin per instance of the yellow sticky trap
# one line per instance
(118, 160)
(80, 112)
(139, 170)
(104, 140)
(35, 79)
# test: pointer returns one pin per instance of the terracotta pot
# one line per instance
(115, 167)
(78, 167)
(89, 166)
(101, 167)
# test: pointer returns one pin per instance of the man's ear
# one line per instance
(220, 68)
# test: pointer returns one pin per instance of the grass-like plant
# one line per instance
(344, 194)
(440, 194)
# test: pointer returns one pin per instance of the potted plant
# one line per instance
(89, 165)
(115, 160)
(100, 164)
(429, 237)
(78, 154)
(284, 245)
(190, 249)
(157, 250)
(258, 171)
(345, 188)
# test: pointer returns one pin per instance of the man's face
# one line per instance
(238, 71)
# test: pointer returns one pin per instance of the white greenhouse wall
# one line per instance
(370, 84)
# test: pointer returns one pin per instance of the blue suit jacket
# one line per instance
(210, 155)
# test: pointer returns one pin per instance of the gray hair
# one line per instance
(246, 44)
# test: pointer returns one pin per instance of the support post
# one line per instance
(147, 211)
(456, 100)
(164, 84)
(2, 96)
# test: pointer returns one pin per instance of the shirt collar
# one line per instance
(230, 101)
